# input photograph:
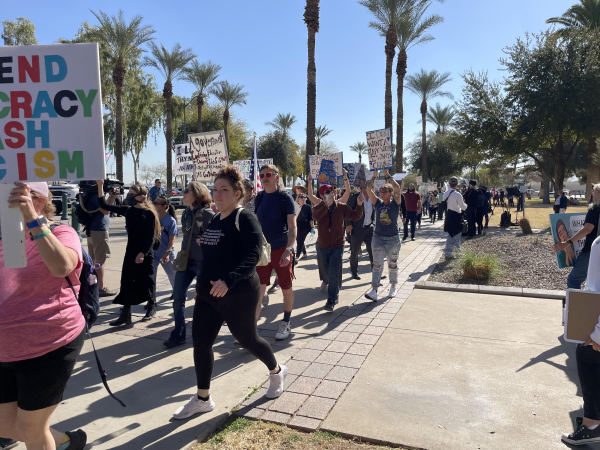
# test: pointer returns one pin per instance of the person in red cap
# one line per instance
(330, 214)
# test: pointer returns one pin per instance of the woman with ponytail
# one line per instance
(165, 254)
(143, 229)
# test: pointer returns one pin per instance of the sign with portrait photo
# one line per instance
(565, 226)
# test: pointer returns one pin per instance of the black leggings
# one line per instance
(300, 247)
(238, 309)
(588, 369)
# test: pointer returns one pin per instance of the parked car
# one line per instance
(177, 202)
(176, 191)
(72, 190)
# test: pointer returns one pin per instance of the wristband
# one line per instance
(41, 235)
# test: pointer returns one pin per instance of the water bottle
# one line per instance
(312, 235)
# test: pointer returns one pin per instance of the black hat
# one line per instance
(473, 183)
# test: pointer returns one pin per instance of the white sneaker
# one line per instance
(393, 291)
(276, 382)
(284, 330)
(372, 295)
(265, 300)
(194, 406)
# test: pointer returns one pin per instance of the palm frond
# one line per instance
(201, 75)
(229, 94)
(120, 37)
(428, 85)
(440, 117)
(169, 64)
(586, 14)
(321, 131)
(283, 122)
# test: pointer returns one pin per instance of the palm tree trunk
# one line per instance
(593, 173)
(311, 91)
(391, 38)
(318, 146)
(167, 94)
(360, 158)
(118, 77)
(200, 102)
(424, 142)
(401, 72)
(225, 122)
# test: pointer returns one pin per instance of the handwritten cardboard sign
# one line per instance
(245, 165)
(327, 174)
(314, 162)
(360, 180)
(50, 113)
(184, 165)
(379, 143)
(209, 153)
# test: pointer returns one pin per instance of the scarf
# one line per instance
(187, 218)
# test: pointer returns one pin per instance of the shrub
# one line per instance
(479, 266)
(525, 225)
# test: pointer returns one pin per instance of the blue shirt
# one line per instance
(386, 218)
(157, 192)
(272, 218)
(168, 226)
(100, 221)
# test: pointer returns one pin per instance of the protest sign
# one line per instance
(352, 169)
(423, 187)
(51, 114)
(184, 165)
(379, 143)
(399, 176)
(419, 180)
(565, 226)
(314, 162)
(209, 153)
(360, 180)
(245, 165)
(327, 173)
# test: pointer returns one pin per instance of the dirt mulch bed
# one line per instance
(527, 261)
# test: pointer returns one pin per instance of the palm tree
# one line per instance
(311, 19)
(360, 148)
(202, 76)
(388, 14)
(440, 117)
(320, 133)
(123, 40)
(427, 85)
(411, 32)
(229, 95)
(584, 15)
(170, 65)
(283, 122)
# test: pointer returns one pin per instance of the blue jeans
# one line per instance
(168, 268)
(332, 262)
(389, 247)
(411, 217)
(452, 245)
(182, 283)
(579, 271)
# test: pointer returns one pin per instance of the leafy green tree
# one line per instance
(282, 122)
(202, 76)
(440, 117)
(320, 132)
(170, 65)
(123, 41)
(412, 31)
(360, 148)
(229, 95)
(427, 85)
(282, 149)
(311, 19)
(444, 156)
(19, 32)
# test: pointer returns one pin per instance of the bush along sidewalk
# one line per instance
(479, 266)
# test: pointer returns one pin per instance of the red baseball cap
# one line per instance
(324, 188)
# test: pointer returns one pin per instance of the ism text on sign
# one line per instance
(50, 113)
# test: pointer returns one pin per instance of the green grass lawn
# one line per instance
(537, 213)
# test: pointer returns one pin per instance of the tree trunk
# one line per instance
(593, 173)
(225, 122)
(200, 102)
(401, 72)
(424, 142)
(318, 146)
(391, 38)
(311, 100)
(118, 77)
(134, 167)
(360, 158)
(545, 189)
(559, 164)
(167, 94)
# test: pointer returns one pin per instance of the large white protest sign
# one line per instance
(379, 143)
(184, 165)
(209, 153)
(50, 113)
(245, 165)
(314, 162)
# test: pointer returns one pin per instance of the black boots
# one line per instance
(150, 313)
(124, 318)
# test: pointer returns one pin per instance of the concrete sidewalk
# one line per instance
(153, 382)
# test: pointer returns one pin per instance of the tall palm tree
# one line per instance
(412, 31)
(388, 14)
(584, 15)
(170, 65)
(229, 95)
(427, 85)
(282, 122)
(440, 117)
(123, 40)
(202, 76)
(311, 19)
(360, 148)
(320, 133)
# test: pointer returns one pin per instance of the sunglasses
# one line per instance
(302, 196)
(384, 191)
(327, 192)
(268, 175)
(186, 191)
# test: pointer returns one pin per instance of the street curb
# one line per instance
(494, 290)
(369, 440)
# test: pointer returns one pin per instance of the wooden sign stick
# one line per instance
(13, 231)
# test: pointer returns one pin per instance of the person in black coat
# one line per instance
(143, 229)
(470, 197)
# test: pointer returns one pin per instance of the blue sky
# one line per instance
(262, 45)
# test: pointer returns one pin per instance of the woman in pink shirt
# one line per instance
(41, 325)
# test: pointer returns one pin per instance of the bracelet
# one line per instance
(41, 235)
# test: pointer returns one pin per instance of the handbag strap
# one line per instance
(187, 250)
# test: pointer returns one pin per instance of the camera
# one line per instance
(110, 186)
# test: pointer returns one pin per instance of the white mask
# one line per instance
(327, 197)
